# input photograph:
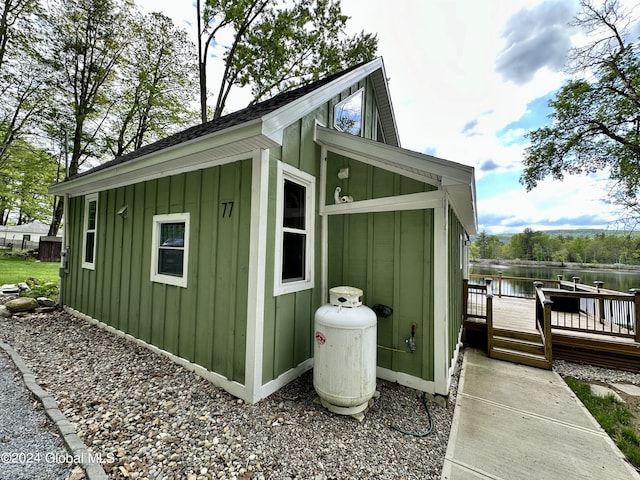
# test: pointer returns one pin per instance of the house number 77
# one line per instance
(227, 209)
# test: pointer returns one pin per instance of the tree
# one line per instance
(23, 80)
(275, 49)
(483, 243)
(13, 11)
(86, 45)
(25, 178)
(595, 122)
(156, 84)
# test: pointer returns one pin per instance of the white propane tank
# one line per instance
(344, 372)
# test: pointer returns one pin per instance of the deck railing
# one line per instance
(543, 322)
(519, 287)
(477, 299)
(478, 303)
(581, 308)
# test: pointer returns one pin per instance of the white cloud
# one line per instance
(441, 57)
(575, 202)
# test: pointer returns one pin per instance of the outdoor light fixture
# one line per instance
(123, 212)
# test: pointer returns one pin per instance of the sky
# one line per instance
(468, 79)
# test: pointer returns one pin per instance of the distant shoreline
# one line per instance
(566, 265)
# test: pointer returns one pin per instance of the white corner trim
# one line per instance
(234, 388)
(406, 380)
(257, 269)
(441, 298)
(287, 377)
(324, 228)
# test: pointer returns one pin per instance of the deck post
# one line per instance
(599, 285)
(465, 297)
(636, 312)
(489, 318)
(575, 281)
(548, 341)
(499, 284)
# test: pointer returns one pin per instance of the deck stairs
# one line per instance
(526, 348)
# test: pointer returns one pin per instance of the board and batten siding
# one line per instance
(205, 322)
(456, 240)
(289, 318)
(389, 255)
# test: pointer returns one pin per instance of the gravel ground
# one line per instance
(147, 417)
(589, 373)
(29, 445)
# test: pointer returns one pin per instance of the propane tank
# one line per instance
(344, 374)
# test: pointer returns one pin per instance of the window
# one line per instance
(294, 234)
(170, 249)
(347, 114)
(89, 238)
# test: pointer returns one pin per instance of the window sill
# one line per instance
(169, 280)
(292, 287)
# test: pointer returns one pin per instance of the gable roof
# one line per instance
(254, 127)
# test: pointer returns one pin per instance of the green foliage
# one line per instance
(277, 47)
(594, 124)
(41, 288)
(488, 246)
(25, 176)
(157, 83)
(614, 417)
(549, 247)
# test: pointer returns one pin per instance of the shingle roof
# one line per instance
(252, 112)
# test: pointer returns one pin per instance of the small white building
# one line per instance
(23, 236)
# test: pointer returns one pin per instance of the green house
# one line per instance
(216, 245)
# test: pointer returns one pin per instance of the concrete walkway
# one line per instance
(515, 422)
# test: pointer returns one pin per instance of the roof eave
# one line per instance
(194, 154)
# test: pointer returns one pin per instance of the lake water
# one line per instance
(620, 280)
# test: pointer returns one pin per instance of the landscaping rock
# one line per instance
(23, 287)
(602, 391)
(21, 304)
(45, 302)
(9, 288)
(4, 312)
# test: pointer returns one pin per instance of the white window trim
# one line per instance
(287, 172)
(85, 229)
(155, 239)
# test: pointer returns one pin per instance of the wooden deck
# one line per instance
(518, 315)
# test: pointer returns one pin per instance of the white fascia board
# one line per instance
(275, 122)
(375, 154)
(411, 201)
(464, 205)
(449, 172)
(193, 154)
(384, 104)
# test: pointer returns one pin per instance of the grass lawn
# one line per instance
(617, 419)
(17, 269)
